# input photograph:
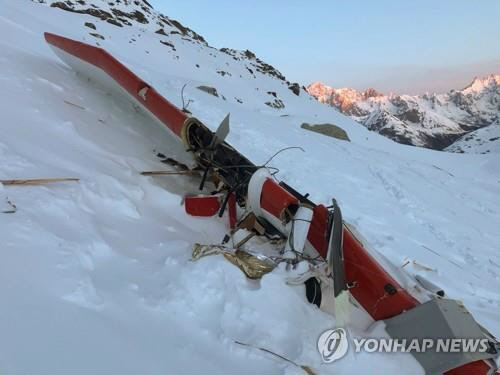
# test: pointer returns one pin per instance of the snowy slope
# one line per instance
(430, 120)
(479, 141)
(96, 277)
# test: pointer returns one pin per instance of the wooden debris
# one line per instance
(439, 255)
(244, 240)
(38, 181)
(307, 369)
(168, 173)
(424, 267)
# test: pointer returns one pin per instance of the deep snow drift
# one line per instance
(95, 276)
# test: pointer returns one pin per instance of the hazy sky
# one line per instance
(403, 46)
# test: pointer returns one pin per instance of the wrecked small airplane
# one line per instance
(344, 276)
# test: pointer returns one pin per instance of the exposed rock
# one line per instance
(168, 44)
(186, 31)
(117, 17)
(231, 52)
(329, 130)
(101, 14)
(209, 90)
(267, 69)
(249, 54)
(295, 88)
(223, 73)
(114, 22)
(123, 13)
(277, 104)
(98, 36)
(136, 15)
(161, 32)
(179, 26)
(411, 115)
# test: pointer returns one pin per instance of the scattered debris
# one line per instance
(12, 206)
(307, 369)
(168, 173)
(200, 251)
(253, 266)
(441, 169)
(423, 267)
(185, 105)
(74, 105)
(329, 130)
(172, 162)
(202, 205)
(439, 255)
(430, 286)
(39, 181)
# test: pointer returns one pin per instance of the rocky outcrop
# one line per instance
(209, 90)
(329, 130)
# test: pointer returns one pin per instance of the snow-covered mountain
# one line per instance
(431, 120)
(96, 276)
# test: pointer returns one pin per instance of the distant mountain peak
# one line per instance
(430, 120)
(478, 84)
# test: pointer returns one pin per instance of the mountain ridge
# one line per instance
(98, 274)
(429, 120)
(126, 13)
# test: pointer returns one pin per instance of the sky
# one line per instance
(400, 46)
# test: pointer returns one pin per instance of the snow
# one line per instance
(96, 276)
(480, 141)
(479, 84)
(419, 119)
